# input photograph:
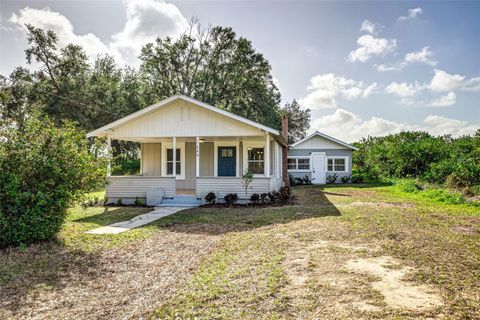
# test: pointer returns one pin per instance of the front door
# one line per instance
(227, 161)
(318, 168)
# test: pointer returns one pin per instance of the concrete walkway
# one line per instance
(137, 221)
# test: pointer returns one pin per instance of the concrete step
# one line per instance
(180, 201)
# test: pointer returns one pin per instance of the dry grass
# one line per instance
(256, 263)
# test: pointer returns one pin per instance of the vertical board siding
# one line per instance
(223, 185)
(151, 159)
(206, 159)
(190, 157)
(137, 186)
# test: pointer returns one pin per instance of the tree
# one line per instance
(298, 121)
(214, 66)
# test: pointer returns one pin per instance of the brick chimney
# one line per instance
(286, 179)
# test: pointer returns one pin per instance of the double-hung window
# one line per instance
(170, 162)
(256, 160)
(298, 164)
(337, 164)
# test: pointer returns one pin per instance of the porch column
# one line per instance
(174, 155)
(267, 155)
(109, 156)
(197, 154)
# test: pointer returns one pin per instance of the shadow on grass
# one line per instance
(111, 215)
(309, 202)
(42, 266)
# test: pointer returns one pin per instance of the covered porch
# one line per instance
(200, 165)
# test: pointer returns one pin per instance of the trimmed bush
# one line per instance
(264, 197)
(43, 171)
(254, 198)
(139, 202)
(345, 179)
(211, 197)
(230, 198)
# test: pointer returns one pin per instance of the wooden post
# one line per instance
(109, 156)
(197, 161)
(267, 155)
(174, 155)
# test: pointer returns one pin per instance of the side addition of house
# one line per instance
(318, 156)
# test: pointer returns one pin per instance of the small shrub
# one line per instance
(211, 197)
(273, 197)
(442, 195)
(264, 197)
(96, 200)
(139, 202)
(105, 200)
(119, 202)
(345, 179)
(306, 180)
(298, 181)
(230, 198)
(332, 178)
(409, 186)
(454, 182)
(254, 198)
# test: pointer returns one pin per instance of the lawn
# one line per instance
(340, 252)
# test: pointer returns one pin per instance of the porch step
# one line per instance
(180, 201)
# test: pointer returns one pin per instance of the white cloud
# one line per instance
(369, 46)
(349, 127)
(412, 13)
(51, 20)
(402, 89)
(444, 101)
(440, 125)
(442, 81)
(472, 84)
(370, 27)
(326, 88)
(145, 20)
(423, 56)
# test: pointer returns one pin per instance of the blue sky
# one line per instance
(364, 68)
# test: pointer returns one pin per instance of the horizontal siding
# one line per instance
(137, 186)
(223, 185)
(276, 183)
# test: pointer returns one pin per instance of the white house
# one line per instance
(318, 156)
(191, 148)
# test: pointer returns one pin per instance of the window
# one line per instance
(256, 160)
(336, 164)
(298, 164)
(170, 162)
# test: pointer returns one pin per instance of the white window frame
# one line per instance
(296, 163)
(336, 157)
(178, 145)
(217, 144)
(253, 144)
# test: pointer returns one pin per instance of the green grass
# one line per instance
(247, 274)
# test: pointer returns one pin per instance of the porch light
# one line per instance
(201, 140)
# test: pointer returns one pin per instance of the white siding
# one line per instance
(151, 159)
(184, 119)
(137, 186)
(223, 185)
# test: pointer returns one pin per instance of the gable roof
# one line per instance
(100, 132)
(323, 135)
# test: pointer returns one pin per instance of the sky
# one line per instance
(363, 68)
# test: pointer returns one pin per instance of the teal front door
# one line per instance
(227, 161)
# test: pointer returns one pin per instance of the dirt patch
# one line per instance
(397, 293)
(121, 283)
(383, 204)
(465, 230)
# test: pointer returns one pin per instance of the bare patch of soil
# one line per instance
(397, 293)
